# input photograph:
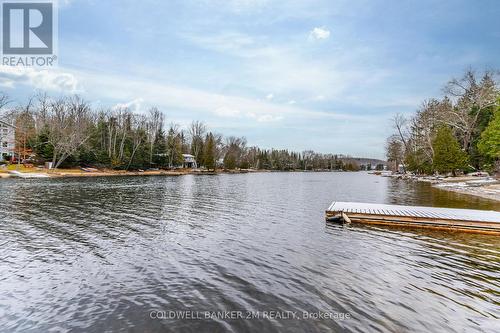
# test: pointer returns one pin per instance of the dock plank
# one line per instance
(438, 213)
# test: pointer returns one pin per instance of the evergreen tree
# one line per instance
(159, 148)
(418, 162)
(489, 144)
(41, 146)
(448, 157)
(230, 160)
(174, 148)
(209, 152)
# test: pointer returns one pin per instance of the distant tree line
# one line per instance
(68, 132)
(459, 132)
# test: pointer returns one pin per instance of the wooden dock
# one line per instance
(479, 221)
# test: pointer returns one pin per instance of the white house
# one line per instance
(189, 161)
(7, 140)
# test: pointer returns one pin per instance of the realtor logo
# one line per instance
(28, 28)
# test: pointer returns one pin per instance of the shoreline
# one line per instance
(69, 173)
(76, 173)
(485, 187)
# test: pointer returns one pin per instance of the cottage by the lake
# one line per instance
(189, 161)
(7, 140)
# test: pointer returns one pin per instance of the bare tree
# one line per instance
(4, 101)
(67, 122)
(400, 124)
(197, 131)
(234, 150)
(219, 146)
(307, 157)
(424, 124)
(24, 120)
(138, 132)
(394, 151)
(114, 134)
(472, 96)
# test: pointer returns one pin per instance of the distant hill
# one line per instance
(363, 160)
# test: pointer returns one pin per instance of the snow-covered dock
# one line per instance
(416, 216)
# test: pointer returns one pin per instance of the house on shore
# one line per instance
(7, 140)
(188, 161)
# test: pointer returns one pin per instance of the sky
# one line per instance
(317, 74)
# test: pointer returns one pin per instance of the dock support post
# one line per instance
(346, 218)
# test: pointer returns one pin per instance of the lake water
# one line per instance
(114, 254)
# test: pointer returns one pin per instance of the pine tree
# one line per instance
(448, 157)
(178, 160)
(159, 148)
(489, 143)
(209, 152)
(230, 160)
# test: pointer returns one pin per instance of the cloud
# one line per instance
(240, 6)
(292, 102)
(7, 84)
(264, 118)
(182, 103)
(319, 33)
(283, 67)
(227, 112)
(224, 42)
(269, 97)
(134, 105)
(234, 113)
(268, 118)
(50, 80)
(182, 99)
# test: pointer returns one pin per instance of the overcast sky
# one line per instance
(322, 75)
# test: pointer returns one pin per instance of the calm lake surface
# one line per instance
(108, 254)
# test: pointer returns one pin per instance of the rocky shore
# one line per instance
(480, 185)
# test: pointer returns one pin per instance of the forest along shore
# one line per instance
(486, 187)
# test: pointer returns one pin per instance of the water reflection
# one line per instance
(419, 193)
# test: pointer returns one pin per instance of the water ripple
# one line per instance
(97, 255)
